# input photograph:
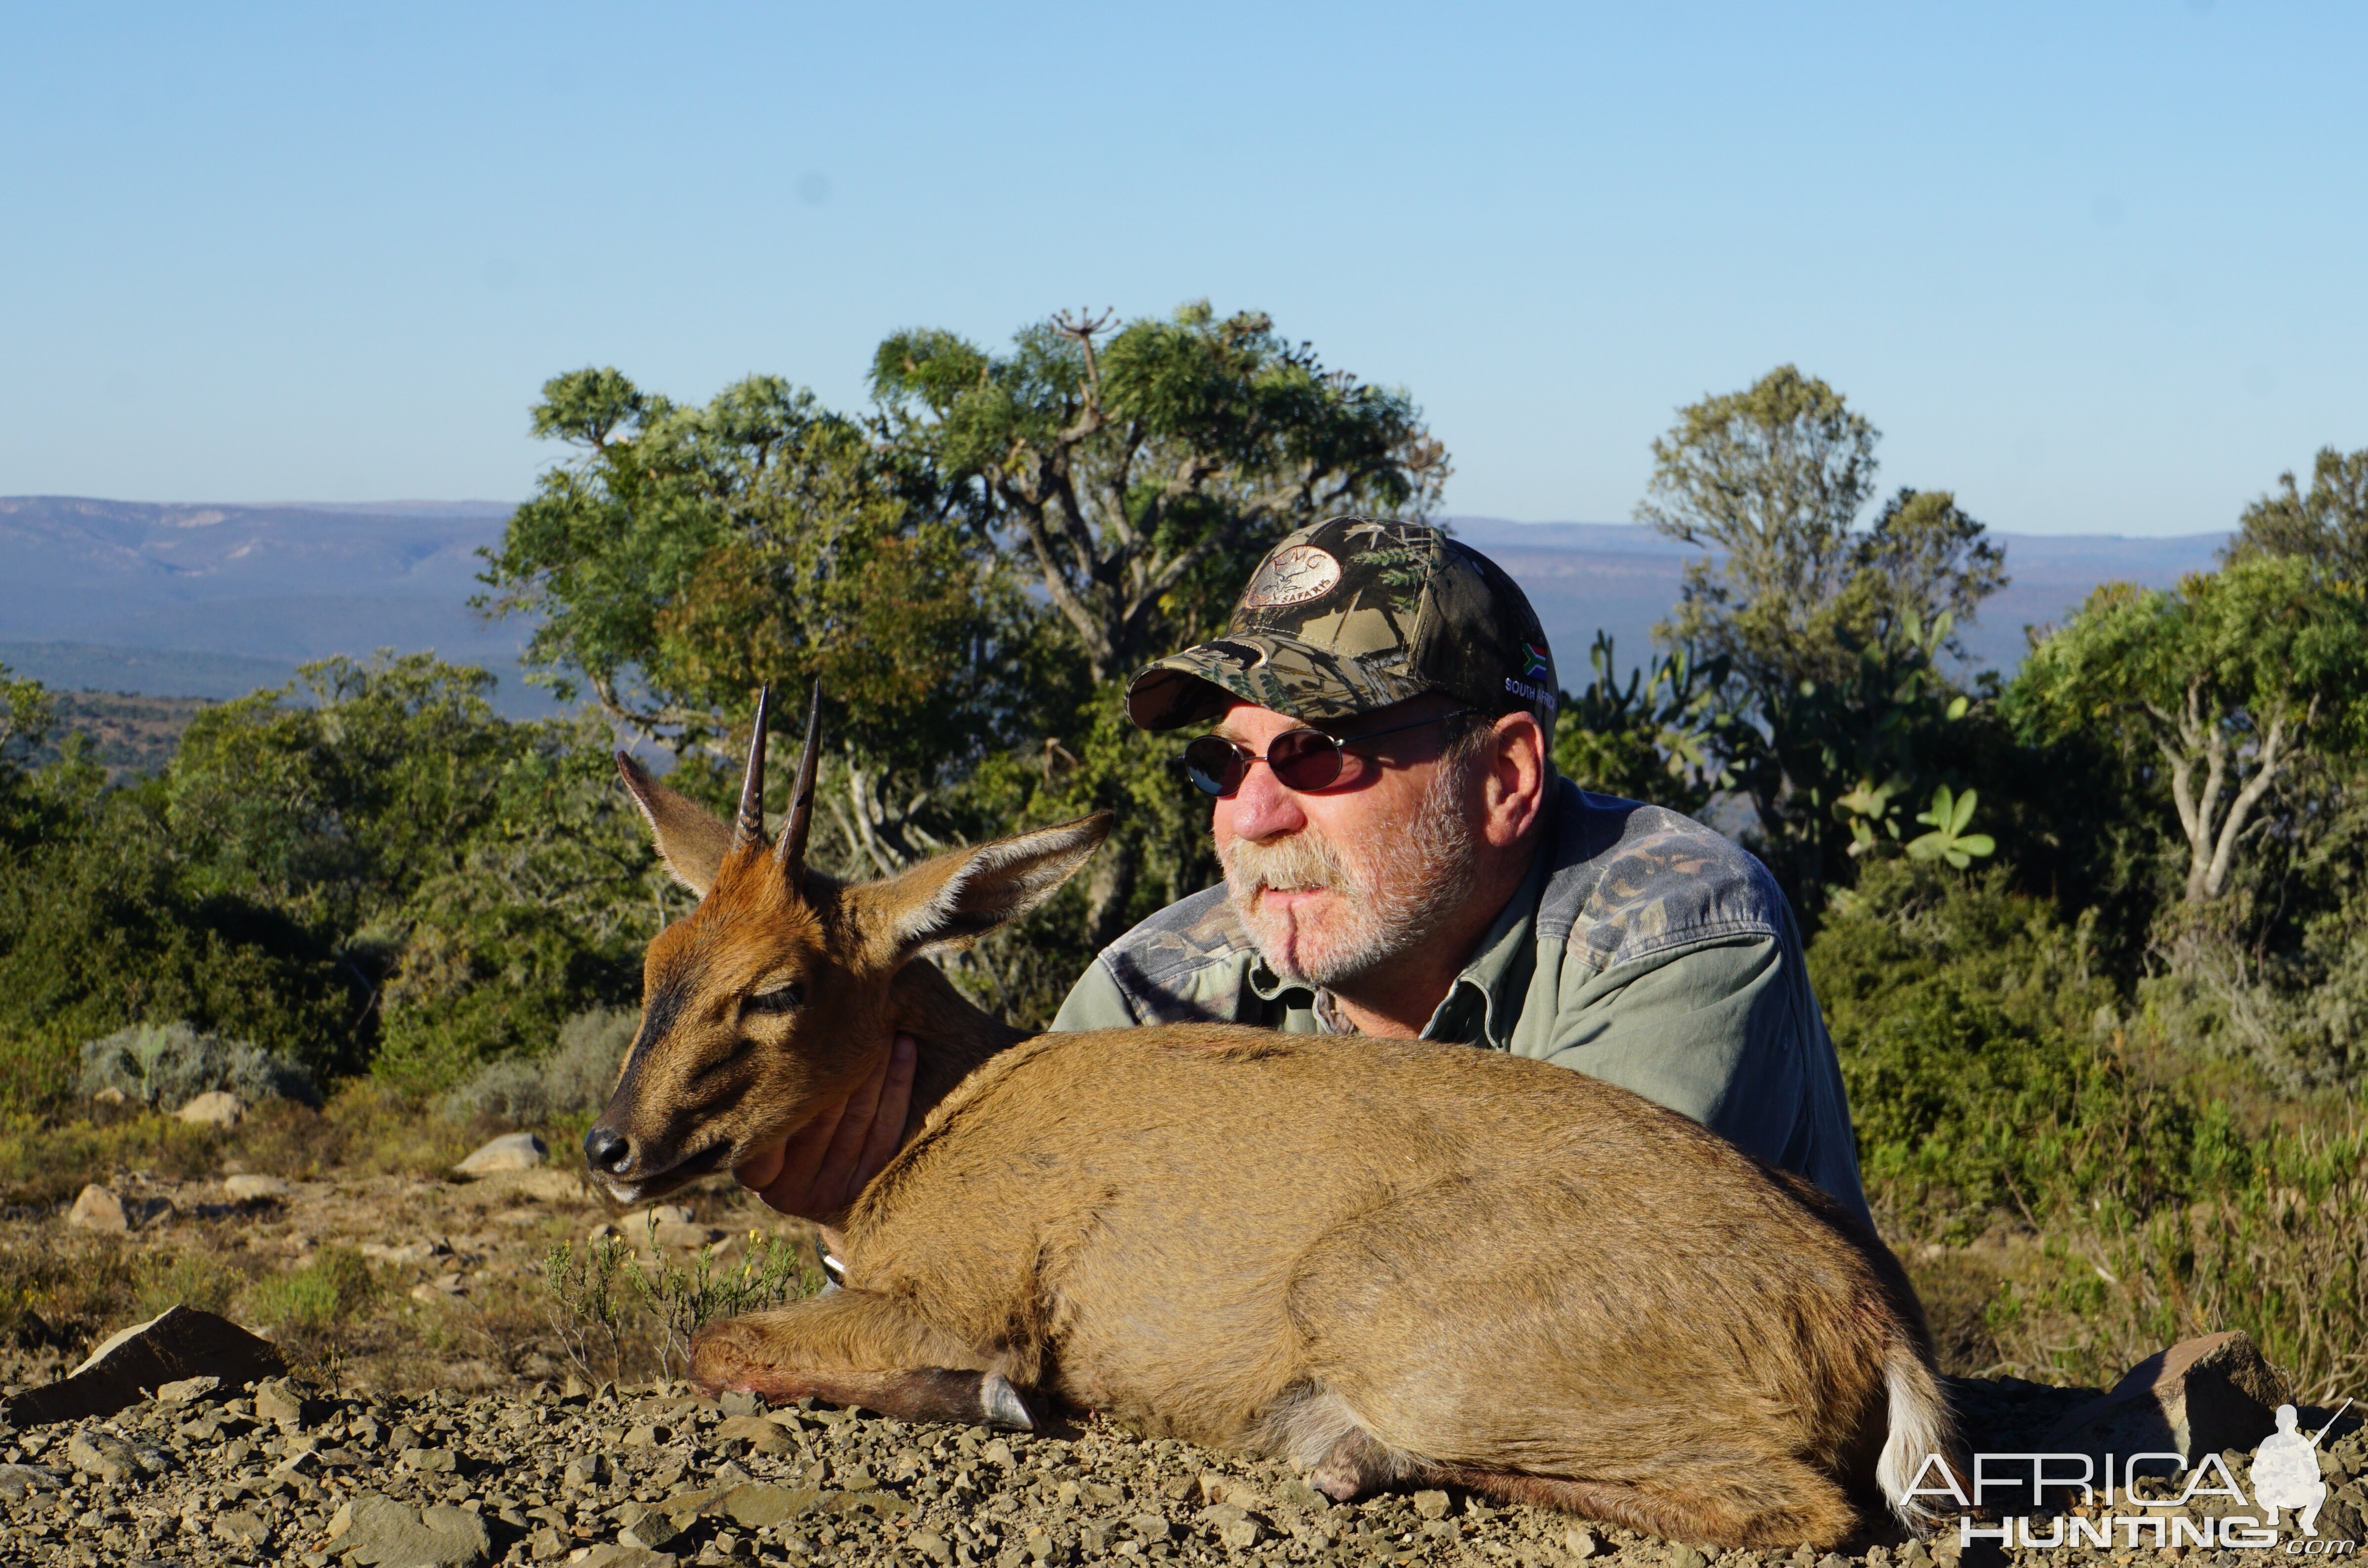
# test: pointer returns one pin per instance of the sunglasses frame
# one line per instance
(1336, 744)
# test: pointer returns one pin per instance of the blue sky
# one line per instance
(2096, 267)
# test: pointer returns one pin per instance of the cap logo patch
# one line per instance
(1292, 575)
(1538, 667)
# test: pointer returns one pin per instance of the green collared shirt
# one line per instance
(1641, 949)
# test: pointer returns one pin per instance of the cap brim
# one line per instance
(1279, 673)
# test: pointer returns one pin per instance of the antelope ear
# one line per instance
(691, 839)
(955, 899)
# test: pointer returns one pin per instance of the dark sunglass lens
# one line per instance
(1216, 766)
(1304, 760)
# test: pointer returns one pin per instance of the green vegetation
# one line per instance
(612, 1307)
(2093, 941)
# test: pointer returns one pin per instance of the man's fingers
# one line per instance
(888, 1117)
(807, 1153)
(838, 1181)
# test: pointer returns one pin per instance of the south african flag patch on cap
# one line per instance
(1539, 665)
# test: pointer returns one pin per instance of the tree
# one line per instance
(473, 881)
(1833, 637)
(1661, 738)
(2327, 526)
(2230, 681)
(1138, 473)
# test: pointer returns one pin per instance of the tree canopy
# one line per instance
(2230, 681)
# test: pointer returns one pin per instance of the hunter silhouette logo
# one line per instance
(2139, 1503)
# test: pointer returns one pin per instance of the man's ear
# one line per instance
(955, 899)
(691, 839)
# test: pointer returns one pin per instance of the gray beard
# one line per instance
(1406, 883)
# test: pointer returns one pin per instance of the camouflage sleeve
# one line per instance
(1727, 1032)
(1095, 1002)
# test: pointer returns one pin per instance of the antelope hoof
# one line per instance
(1342, 1483)
(1001, 1404)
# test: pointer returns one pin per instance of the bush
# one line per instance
(574, 1079)
(167, 1066)
(321, 1293)
(1986, 1065)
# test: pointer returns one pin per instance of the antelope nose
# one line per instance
(608, 1151)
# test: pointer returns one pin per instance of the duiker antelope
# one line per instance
(1385, 1261)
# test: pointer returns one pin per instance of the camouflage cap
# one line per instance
(1352, 615)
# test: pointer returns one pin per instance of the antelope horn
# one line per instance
(750, 826)
(791, 850)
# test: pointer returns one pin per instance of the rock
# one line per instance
(186, 1390)
(1578, 1542)
(98, 1209)
(430, 1461)
(181, 1343)
(764, 1436)
(2200, 1396)
(242, 1528)
(278, 1399)
(621, 1556)
(932, 1545)
(1152, 1527)
(254, 1188)
(1294, 1492)
(383, 1533)
(649, 1528)
(1434, 1506)
(688, 1236)
(420, 1251)
(1233, 1524)
(215, 1107)
(510, 1151)
(18, 1481)
(757, 1505)
(113, 1459)
(108, 1095)
(1684, 1556)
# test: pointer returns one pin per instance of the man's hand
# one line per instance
(818, 1170)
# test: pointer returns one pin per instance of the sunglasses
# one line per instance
(1301, 759)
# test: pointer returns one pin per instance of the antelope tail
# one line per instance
(1920, 1458)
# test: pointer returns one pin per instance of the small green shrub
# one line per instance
(170, 1064)
(323, 1292)
(611, 1306)
(192, 1278)
(574, 1080)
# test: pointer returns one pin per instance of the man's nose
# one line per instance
(1261, 808)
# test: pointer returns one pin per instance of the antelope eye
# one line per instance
(780, 999)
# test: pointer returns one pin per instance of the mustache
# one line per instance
(1301, 861)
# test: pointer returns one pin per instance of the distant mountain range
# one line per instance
(213, 601)
(1622, 578)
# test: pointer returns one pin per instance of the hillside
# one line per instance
(210, 602)
(119, 582)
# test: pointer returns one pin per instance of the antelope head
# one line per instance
(774, 997)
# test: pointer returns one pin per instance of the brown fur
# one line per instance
(1386, 1261)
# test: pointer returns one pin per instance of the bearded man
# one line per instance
(1401, 860)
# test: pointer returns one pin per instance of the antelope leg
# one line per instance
(853, 1347)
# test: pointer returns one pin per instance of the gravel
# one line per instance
(651, 1477)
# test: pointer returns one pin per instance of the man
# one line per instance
(1401, 860)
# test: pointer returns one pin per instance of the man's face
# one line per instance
(1334, 883)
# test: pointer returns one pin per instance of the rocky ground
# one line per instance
(507, 1456)
(279, 1473)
